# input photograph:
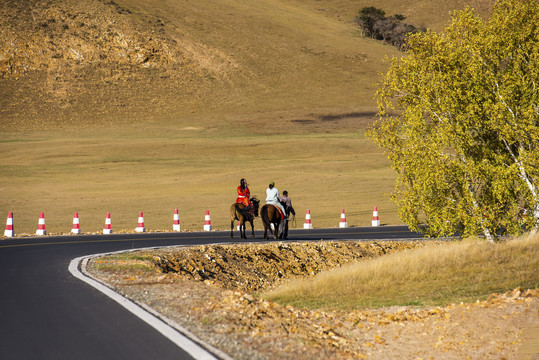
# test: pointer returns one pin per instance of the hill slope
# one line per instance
(66, 62)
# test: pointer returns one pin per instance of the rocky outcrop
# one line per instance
(52, 34)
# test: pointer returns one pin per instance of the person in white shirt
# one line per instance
(272, 197)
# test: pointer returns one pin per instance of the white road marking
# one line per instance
(180, 336)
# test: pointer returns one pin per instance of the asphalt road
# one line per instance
(47, 313)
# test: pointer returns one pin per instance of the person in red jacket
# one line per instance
(244, 194)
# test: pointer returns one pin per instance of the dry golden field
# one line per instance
(137, 105)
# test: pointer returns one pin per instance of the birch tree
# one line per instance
(459, 120)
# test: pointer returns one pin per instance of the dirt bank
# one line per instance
(211, 290)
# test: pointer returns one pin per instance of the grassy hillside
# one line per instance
(434, 275)
(101, 62)
(216, 57)
(432, 14)
(137, 105)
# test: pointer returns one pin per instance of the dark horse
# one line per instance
(270, 216)
(239, 211)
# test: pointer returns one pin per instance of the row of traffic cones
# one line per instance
(41, 230)
(343, 223)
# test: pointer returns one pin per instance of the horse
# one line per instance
(270, 216)
(239, 211)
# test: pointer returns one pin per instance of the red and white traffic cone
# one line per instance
(108, 225)
(176, 221)
(343, 223)
(140, 227)
(207, 221)
(308, 224)
(76, 225)
(41, 225)
(9, 232)
(375, 218)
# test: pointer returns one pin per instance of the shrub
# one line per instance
(391, 29)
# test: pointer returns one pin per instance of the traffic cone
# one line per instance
(9, 225)
(140, 227)
(108, 225)
(343, 223)
(176, 221)
(375, 219)
(41, 225)
(76, 227)
(207, 221)
(308, 224)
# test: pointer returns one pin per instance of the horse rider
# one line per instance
(287, 203)
(272, 197)
(244, 195)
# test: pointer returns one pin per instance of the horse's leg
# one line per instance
(272, 221)
(277, 227)
(242, 229)
(232, 228)
(240, 221)
(252, 228)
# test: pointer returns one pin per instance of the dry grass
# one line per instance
(269, 90)
(194, 173)
(428, 13)
(434, 275)
(234, 61)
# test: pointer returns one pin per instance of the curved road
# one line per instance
(47, 313)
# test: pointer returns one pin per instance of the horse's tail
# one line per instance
(265, 217)
(236, 211)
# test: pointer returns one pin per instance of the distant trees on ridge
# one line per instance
(391, 29)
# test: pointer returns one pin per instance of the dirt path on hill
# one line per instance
(219, 308)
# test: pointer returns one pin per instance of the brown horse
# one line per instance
(239, 211)
(270, 216)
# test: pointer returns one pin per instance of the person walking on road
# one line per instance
(287, 204)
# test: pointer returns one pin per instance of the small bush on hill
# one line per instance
(391, 29)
